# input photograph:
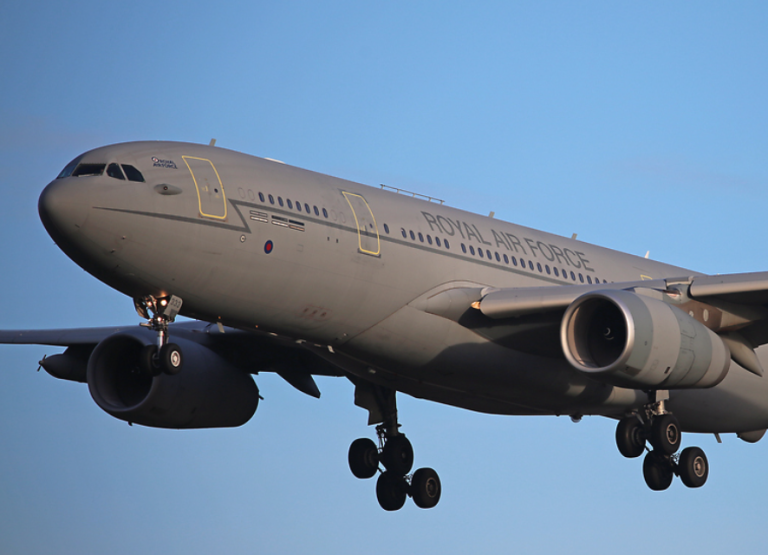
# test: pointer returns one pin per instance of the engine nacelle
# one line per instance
(207, 393)
(629, 340)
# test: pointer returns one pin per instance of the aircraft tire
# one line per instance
(693, 467)
(425, 488)
(665, 434)
(657, 471)
(391, 491)
(629, 438)
(397, 455)
(148, 361)
(171, 359)
(363, 458)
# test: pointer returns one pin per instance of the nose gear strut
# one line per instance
(164, 356)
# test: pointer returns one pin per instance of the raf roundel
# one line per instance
(268, 246)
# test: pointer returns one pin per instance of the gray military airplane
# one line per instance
(289, 271)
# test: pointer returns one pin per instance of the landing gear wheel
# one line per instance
(391, 491)
(170, 358)
(148, 361)
(693, 467)
(363, 458)
(397, 455)
(665, 434)
(425, 488)
(657, 471)
(629, 437)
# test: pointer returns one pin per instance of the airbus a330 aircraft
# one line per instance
(302, 274)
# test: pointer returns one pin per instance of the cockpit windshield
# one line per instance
(69, 168)
(88, 169)
(75, 169)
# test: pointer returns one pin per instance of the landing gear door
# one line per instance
(210, 191)
(367, 232)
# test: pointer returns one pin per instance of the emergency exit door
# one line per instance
(367, 232)
(210, 191)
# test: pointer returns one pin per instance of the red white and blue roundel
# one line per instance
(268, 246)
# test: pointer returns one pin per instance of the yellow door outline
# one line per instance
(362, 205)
(197, 188)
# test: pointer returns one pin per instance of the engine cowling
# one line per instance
(207, 393)
(630, 340)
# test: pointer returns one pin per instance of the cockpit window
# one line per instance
(69, 168)
(113, 170)
(88, 169)
(132, 173)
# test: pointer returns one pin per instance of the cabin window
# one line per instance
(261, 196)
(280, 201)
(557, 274)
(506, 259)
(538, 266)
(463, 248)
(573, 276)
(546, 267)
(581, 278)
(447, 246)
(589, 279)
(386, 229)
(325, 213)
(429, 239)
(306, 207)
(514, 261)
(480, 253)
(405, 235)
(472, 250)
(271, 199)
(437, 241)
(498, 258)
(290, 204)
(421, 237)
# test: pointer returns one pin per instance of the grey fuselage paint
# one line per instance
(227, 237)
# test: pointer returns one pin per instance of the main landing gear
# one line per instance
(395, 453)
(164, 356)
(662, 430)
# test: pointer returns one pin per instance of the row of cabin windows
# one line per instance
(298, 206)
(437, 240)
(561, 273)
(565, 274)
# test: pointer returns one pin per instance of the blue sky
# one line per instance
(641, 126)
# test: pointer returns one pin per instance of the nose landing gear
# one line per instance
(662, 430)
(395, 453)
(164, 356)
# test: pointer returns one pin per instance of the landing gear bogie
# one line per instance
(395, 453)
(662, 430)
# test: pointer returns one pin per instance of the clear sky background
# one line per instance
(639, 125)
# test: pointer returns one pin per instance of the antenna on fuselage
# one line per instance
(212, 143)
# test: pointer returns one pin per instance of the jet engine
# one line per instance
(630, 340)
(207, 393)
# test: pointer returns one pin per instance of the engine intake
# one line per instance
(630, 340)
(207, 393)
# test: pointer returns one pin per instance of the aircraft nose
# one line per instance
(63, 208)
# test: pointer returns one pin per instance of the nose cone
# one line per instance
(63, 208)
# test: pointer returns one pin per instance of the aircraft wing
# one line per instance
(249, 351)
(528, 319)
